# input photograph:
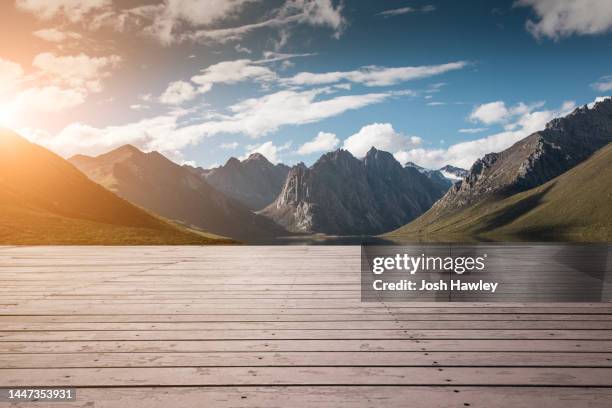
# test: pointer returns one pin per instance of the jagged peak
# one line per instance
(232, 161)
(126, 148)
(257, 157)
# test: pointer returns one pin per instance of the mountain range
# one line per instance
(553, 184)
(46, 200)
(490, 198)
(255, 181)
(343, 195)
(157, 184)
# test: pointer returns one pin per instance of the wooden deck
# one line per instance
(279, 327)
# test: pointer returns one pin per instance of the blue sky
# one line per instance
(434, 82)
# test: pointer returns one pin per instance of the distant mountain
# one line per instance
(46, 200)
(153, 182)
(453, 173)
(442, 179)
(343, 195)
(531, 162)
(572, 206)
(255, 182)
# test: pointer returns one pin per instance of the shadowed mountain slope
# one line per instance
(573, 206)
(46, 200)
(153, 182)
(255, 181)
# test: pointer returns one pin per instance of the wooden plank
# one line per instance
(294, 317)
(310, 325)
(224, 376)
(310, 359)
(304, 334)
(342, 397)
(183, 346)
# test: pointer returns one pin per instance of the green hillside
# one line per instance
(46, 200)
(574, 206)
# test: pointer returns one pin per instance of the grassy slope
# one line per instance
(46, 200)
(577, 205)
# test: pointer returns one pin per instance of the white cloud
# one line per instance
(405, 10)
(139, 107)
(49, 99)
(55, 35)
(259, 116)
(381, 136)
(177, 93)
(76, 70)
(604, 84)
(229, 146)
(231, 72)
(374, 75)
(472, 130)
(498, 113)
(240, 48)
(562, 18)
(175, 21)
(464, 154)
(10, 73)
(254, 117)
(268, 149)
(148, 134)
(436, 103)
(74, 10)
(489, 113)
(323, 142)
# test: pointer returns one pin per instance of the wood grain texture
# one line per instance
(277, 327)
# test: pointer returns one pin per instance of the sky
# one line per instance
(434, 82)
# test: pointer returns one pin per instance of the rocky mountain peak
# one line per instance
(564, 143)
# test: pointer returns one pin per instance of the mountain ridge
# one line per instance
(152, 181)
(254, 181)
(45, 200)
(340, 194)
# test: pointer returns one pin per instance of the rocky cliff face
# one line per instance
(155, 183)
(343, 195)
(255, 182)
(564, 143)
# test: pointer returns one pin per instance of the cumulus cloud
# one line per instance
(381, 136)
(254, 117)
(563, 18)
(497, 112)
(375, 75)
(604, 84)
(177, 93)
(73, 10)
(76, 70)
(464, 154)
(55, 35)
(323, 142)
(147, 134)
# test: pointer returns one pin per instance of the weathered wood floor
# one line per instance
(279, 327)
